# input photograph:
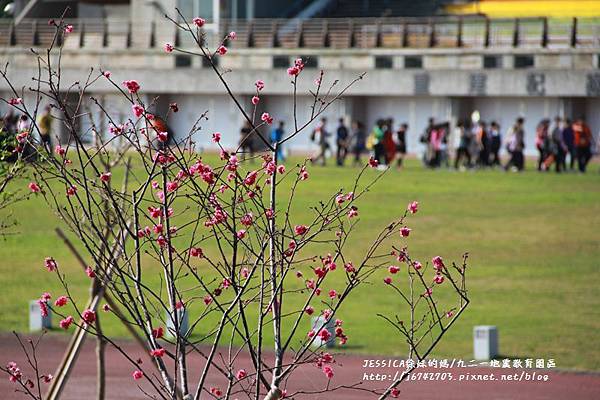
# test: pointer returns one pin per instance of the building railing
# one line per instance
(335, 33)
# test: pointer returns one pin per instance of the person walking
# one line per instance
(388, 141)
(401, 143)
(342, 141)
(558, 146)
(45, 129)
(358, 141)
(426, 140)
(276, 137)
(583, 143)
(246, 144)
(495, 144)
(462, 137)
(320, 136)
(483, 144)
(377, 139)
(516, 146)
(541, 136)
(569, 141)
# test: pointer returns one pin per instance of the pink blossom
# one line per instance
(138, 110)
(216, 391)
(393, 269)
(241, 374)
(324, 335)
(449, 314)
(161, 240)
(405, 231)
(247, 219)
(132, 85)
(105, 177)
(199, 22)
(168, 47)
(332, 294)
(269, 213)
(413, 207)
(207, 299)
(309, 310)
(90, 272)
(158, 352)
(245, 273)
(174, 107)
(266, 117)
(47, 378)
(155, 212)
(281, 169)
(349, 267)
(417, 265)
(311, 333)
(69, 29)
(50, 264)
(34, 187)
(216, 137)
(137, 374)
(65, 323)
(395, 392)
(89, 316)
(353, 212)
(172, 186)
(387, 280)
(251, 178)
(163, 137)
(71, 190)
(328, 371)
(15, 101)
(255, 100)
(373, 163)
(105, 308)
(106, 74)
(43, 306)
(61, 301)
(241, 234)
(232, 35)
(293, 71)
(438, 263)
(300, 229)
(438, 278)
(158, 333)
(222, 50)
(303, 174)
(59, 150)
(260, 85)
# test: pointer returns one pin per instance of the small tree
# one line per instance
(230, 250)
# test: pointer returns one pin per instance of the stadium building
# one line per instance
(440, 59)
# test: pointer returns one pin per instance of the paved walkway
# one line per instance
(350, 370)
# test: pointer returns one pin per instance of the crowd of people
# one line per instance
(471, 144)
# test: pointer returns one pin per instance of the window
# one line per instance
(183, 61)
(491, 62)
(310, 61)
(206, 63)
(413, 62)
(383, 62)
(524, 61)
(281, 62)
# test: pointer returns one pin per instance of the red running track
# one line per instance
(348, 370)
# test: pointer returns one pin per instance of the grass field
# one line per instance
(534, 249)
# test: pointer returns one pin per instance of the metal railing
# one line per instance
(336, 33)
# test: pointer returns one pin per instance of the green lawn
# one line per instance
(533, 241)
